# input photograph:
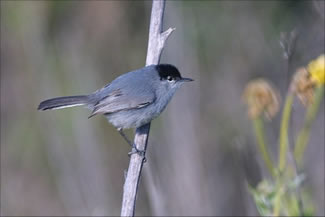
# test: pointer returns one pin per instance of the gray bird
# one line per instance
(131, 100)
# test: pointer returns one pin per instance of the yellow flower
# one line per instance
(316, 69)
(261, 98)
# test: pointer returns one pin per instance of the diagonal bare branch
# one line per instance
(156, 43)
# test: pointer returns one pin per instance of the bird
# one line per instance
(131, 100)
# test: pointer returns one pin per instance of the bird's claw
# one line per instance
(142, 153)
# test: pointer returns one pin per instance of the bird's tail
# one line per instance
(63, 102)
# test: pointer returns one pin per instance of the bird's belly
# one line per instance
(132, 118)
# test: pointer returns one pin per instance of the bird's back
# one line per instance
(134, 83)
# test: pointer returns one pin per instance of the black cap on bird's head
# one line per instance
(170, 73)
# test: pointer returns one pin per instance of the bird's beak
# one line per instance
(186, 79)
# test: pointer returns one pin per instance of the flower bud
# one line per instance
(261, 98)
(303, 86)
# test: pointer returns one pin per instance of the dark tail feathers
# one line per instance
(63, 102)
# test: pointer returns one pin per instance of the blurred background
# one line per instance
(201, 152)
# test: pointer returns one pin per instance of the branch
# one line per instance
(156, 43)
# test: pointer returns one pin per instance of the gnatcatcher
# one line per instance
(131, 100)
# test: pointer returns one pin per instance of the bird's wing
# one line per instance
(119, 101)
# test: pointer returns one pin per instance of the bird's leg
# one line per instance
(120, 130)
(134, 147)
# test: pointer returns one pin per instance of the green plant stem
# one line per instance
(284, 142)
(259, 129)
(304, 133)
(278, 197)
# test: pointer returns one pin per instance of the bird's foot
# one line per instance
(142, 153)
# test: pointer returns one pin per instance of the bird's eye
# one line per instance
(169, 78)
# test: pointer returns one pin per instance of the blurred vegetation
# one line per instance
(283, 196)
(202, 146)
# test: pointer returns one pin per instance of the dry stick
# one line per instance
(156, 43)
